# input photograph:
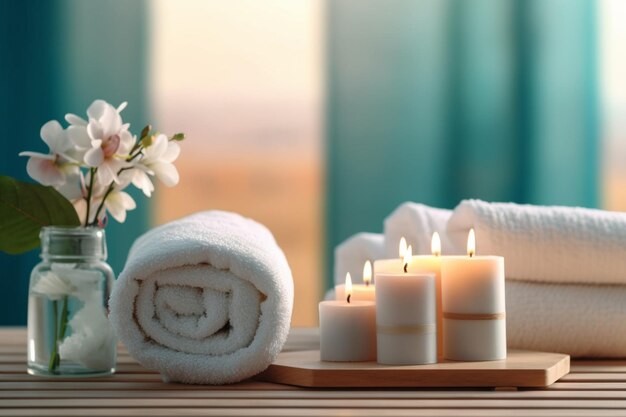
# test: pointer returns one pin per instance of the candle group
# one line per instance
(427, 308)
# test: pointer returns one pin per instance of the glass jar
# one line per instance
(69, 333)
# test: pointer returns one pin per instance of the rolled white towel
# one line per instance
(352, 253)
(580, 320)
(206, 299)
(549, 244)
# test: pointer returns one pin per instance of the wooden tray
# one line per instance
(520, 369)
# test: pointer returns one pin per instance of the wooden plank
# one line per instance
(83, 384)
(314, 394)
(595, 377)
(271, 412)
(314, 403)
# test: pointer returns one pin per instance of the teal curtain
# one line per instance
(439, 100)
(56, 57)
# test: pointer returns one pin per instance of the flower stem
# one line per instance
(90, 192)
(60, 328)
(101, 206)
(53, 355)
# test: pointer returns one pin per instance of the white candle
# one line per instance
(474, 322)
(406, 317)
(360, 292)
(347, 329)
(423, 264)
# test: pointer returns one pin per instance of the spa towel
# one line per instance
(206, 299)
(544, 244)
(351, 254)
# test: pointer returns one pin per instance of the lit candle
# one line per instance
(406, 316)
(360, 292)
(426, 264)
(347, 328)
(474, 322)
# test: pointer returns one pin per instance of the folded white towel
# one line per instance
(351, 255)
(581, 320)
(544, 244)
(550, 244)
(206, 299)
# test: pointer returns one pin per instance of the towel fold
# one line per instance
(577, 319)
(206, 299)
(351, 254)
(544, 244)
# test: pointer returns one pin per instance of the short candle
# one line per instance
(425, 264)
(360, 292)
(406, 317)
(473, 298)
(347, 329)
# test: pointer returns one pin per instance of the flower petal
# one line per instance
(107, 173)
(71, 189)
(142, 181)
(172, 152)
(45, 171)
(94, 157)
(38, 155)
(111, 122)
(122, 106)
(75, 120)
(79, 135)
(166, 172)
(117, 203)
(95, 130)
(97, 109)
(53, 134)
(127, 141)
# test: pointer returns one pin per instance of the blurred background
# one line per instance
(318, 118)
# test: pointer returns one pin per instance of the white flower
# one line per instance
(52, 168)
(105, 138)
(66, 279)
(92, 342)
(157, 159)
(53, 286)
(117, 203)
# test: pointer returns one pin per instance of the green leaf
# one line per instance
(147, 141)
(178, 137)
(25, 208)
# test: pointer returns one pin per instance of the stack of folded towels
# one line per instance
(565, 267)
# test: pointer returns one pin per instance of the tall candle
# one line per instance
(425, 264)
(406, 317)
(360, 292)
(474, 321)
(347, 329)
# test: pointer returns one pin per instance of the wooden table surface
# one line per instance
(593, 388)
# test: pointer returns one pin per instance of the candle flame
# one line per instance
(402, 247)
(367, 273)
(348, 287)
(435, 244)
(407, 258)
(471, 243)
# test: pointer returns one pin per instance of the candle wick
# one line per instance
(367, 283)
(349, 295)
(405, 268)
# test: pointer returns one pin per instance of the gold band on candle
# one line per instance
(417, 329)
(474, 316)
